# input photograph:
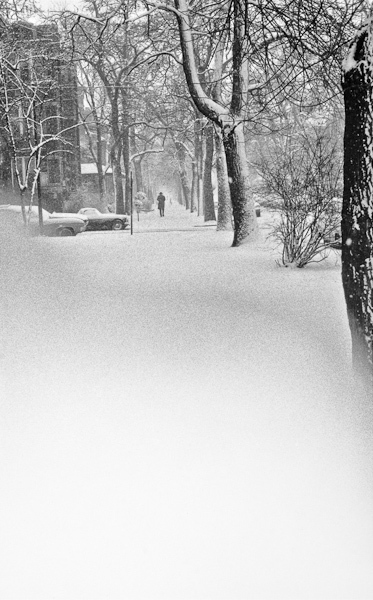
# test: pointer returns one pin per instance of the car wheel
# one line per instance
(65, 232)
(117, 225)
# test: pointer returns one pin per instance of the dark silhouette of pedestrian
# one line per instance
(161, 202)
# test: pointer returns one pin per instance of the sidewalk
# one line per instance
(176, 217)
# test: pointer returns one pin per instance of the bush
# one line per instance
(304, 179)
(141, 200)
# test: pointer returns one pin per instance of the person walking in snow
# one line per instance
(161, 202)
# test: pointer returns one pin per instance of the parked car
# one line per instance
(103, 221)
(54, 224)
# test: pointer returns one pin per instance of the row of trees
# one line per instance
(201, 84)
(244, 63)
(254, 65)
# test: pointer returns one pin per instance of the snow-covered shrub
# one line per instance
(138, 204)
(141, 201)
(303, 177)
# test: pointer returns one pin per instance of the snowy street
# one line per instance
(178, 421)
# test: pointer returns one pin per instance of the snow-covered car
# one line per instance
(103, 221)
(54, 224)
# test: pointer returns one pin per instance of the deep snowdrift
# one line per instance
(179, 422)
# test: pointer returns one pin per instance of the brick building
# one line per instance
(42, 99)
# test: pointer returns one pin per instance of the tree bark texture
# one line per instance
(183, 173)
(126, 163)
(116, 153)
(136, 162)
(245, 223)
(224, 197)
(185, 188)
(208, 196)
(357, 212)
(137, 167)
(198, 152)
(117, 182)
(194, 190)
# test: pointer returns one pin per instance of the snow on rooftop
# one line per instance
(91, 169)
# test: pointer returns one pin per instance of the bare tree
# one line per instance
(224, 221)
(208, 197)
(229, 120)
(357, 216)
(94, 122)
(31, 122)
(302, 173)
(271, 48)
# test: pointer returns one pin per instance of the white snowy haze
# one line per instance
(57, 5)
(178, 421)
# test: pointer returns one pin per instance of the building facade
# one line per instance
(38, 110)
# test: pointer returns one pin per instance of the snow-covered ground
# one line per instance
(178, 422)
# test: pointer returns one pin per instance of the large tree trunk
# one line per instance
(181, 152)
(180, 198)
(126, 162)
(357, 213)
(137, 168)
(117, 182)
(186, 189)
(224, 196)
(245, 223)
(124, 91)
(116, 153)
(229, 120)
(136, 162)
(208, 196)
(198, 153)
(194, 190)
